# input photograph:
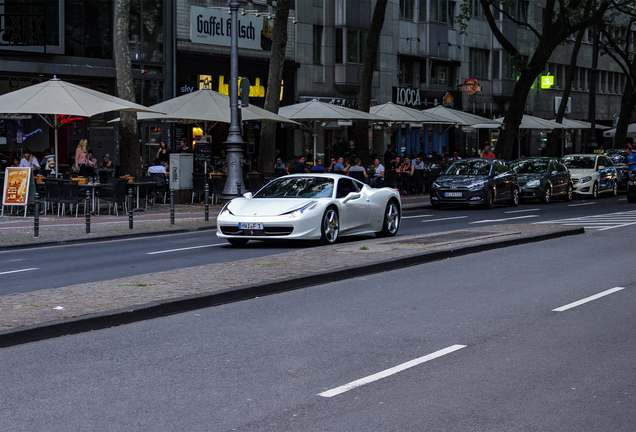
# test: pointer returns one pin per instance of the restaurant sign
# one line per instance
(214, 27)
(470, 86)
(407, 96)
(18, 190)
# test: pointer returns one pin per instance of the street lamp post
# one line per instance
(234, 161)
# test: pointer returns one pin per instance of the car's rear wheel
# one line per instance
(547, 195)
(489, 200)
(330, 227)
(595, 191)
(514, 201)
(237, 242)
(391, 220)
(569, 194)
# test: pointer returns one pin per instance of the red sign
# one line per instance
(470, 86)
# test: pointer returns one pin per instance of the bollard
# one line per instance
(36, 218)
(87, 212)
(130, 209)
(207, 203)
(238, 189)
(171, 206)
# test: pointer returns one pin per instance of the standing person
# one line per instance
(631, 160)
(378, 175)
(185, 147)
(29, 161)
(163, 153)
(487, 154)
(80, 157)
(319, 167)
(389, 155)
(353, 151)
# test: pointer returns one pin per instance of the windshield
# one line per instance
(298, 187)
(469, 168)
(617, 158)
(579, 162)
(530, 166)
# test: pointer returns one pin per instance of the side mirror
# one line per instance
(601, 167)
(248, 195)
(351, 196)
(555, 172)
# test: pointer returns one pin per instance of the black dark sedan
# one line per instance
(619, 157)
(543, 179)
(476, 182)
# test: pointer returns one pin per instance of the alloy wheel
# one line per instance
(330, 226)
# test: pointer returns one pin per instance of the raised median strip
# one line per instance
(55, 312)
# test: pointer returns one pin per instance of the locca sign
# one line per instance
(214, 27)
(407, 96)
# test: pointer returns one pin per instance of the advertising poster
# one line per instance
(17, 186)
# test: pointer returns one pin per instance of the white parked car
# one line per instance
(592, 174)
(310, 207)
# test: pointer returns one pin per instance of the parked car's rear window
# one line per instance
(579, 162)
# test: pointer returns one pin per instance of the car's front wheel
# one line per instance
(237, 242)
(489, 199)
(330, 228)
(595, 191)
(615, 189)
(569, 194)
(547, 195)
(514, 201)
(391, 220)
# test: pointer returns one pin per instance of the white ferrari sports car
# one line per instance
(310, 207)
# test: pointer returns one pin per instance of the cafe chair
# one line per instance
(161, 185)
(115, 195)
(358, 175)
(390, 179)
(147, 191)
(69, 194)
(218, 184)
(198, 186)
(51, 193)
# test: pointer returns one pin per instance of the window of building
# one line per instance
(83, 35)
(406, 9)
(48, 33)
(439, 10)
(452, 6)
(356, 44)
(476, 10)
(522, 10)
(406, 75)
(339, 46)
(317, 45)
(146, 30)
(441, 74)
(479, 60)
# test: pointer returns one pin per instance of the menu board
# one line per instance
(18, 188)
(203, 152)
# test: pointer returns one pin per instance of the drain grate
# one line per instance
(442, 238)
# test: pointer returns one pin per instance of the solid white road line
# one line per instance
(588, 299)
(416, 216)
(582, 204)
(19, 271)
(444, 219)
(617, 226)
(185, 248)
(504, 219)
(388, 372)
(522, 211)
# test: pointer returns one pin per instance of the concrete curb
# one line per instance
(158, 309)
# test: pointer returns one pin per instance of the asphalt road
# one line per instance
(50, 267)
(476, 339)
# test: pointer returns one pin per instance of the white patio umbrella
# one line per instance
(314, 115)
(579, 124)
(56, 97)
(528, 122)
(459, 118)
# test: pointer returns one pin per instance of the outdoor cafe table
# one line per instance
(92, 187)
(138, 185)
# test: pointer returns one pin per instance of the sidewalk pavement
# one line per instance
(47, 313)
(17, 232)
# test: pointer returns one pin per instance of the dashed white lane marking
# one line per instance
(19, 271)
(623, 199)
(582, 204)
(588, 299)
(600, 222)
(388, 372)
(416, 216)
(445, 219)
(521, 211)
(182, 249)
(504, 219)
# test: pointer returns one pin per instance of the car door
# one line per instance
(606, 175)
(354, 208)
(564, 176)
(503, 180)
(556, 179)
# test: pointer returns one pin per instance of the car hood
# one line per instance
(581, 172)
(525, 178)
(266, 206)
(459, 181)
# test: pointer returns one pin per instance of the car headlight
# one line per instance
(436, 185)
(533, 183)
(226, 211)
(477, 185)
(585, 179)
(303, 209)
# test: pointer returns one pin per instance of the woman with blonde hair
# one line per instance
(80, 157)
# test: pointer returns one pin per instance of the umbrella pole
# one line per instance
(57, 167)
(315, 138)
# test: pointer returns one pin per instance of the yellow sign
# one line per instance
(16, 186)
(256, 91)
(547, 81)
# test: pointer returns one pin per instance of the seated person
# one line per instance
(358, 168)
(339, 167)
(300, 166)
(106, 162)
(157, 168)
(378, 176)
(279, 165)
(29, 161)
(318, 168)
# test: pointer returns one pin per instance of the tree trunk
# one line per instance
(628, 103)
(553, 145)
(267, 148)
(366, 82)
(130, 155)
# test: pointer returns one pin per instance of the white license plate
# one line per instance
(452, 194)
(251, 225)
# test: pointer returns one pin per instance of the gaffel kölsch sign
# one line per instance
(214, 27)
